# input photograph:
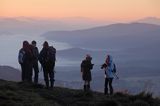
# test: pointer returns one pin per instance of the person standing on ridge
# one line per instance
(47, 59)
(25, 60)
(86, 67)
(110, 70)
(35, 61)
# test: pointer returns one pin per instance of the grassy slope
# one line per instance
(20, 94)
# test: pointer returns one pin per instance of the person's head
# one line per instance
(34, 43)
(88, 57)
(25, 44)
(45, 44)
(108, 56)
(108, 60)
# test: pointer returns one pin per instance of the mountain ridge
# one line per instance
(25, 94)
(28, 25)
(104, 27)
(150, 20)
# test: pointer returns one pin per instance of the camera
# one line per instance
(103, 66)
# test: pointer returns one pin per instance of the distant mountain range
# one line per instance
(25, 25)
(150, 20)
(115, 36)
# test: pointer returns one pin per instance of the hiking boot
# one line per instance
(47, 84)
(88, 87)
(52, 84)
(111, 91)
(106, 91)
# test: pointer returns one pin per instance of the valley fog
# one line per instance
(11, 44)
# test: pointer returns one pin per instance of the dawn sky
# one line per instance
(95, 9)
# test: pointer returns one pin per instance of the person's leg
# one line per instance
(51, 75)
(110, 85)
(88, 85)
(36, 71)
(25, 72)
(89, 79)
(22, 72)
(29, 72)
(106, 86)
(45, 73)
(85, 85)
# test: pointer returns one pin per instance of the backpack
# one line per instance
(21, 56)
(51, 54)
(114, 68)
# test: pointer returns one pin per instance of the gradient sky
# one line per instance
(95, 9)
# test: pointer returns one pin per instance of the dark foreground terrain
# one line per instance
(23, 94)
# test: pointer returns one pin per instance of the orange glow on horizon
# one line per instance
(95, 9)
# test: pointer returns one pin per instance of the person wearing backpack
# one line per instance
(110, 70)
(47, 59)
(86, 67)
(35, 61)
(25, 60)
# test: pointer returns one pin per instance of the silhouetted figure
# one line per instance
(47, 59)
(109, 68)
(35, 61)
(25, 60)
(86, 67)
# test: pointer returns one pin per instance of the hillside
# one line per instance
(23, 94)
(9, 73)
